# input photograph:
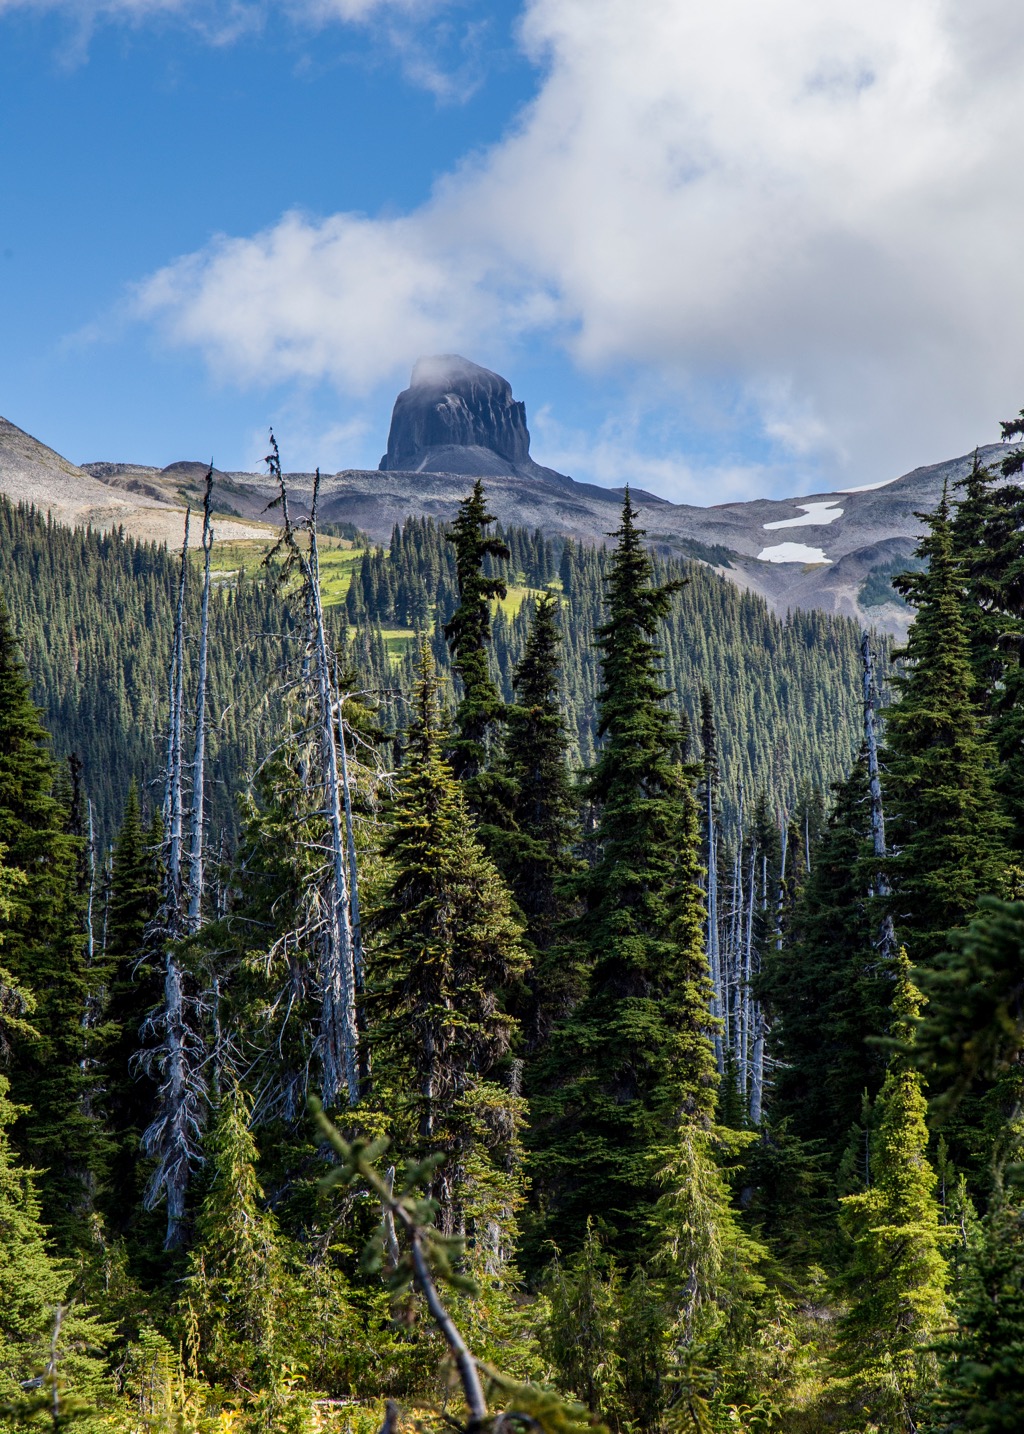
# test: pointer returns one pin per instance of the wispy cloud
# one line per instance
(402, 26)
(809, 202)
(626, 449)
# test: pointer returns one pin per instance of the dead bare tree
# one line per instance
(193, 915)
(176, 1055)
(880, 882)
(337, 1040)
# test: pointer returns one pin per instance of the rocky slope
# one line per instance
(458, 421)
(79, 497)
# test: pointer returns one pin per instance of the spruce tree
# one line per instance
(45, 953)
(897, 1273)
(468, 633)
(446, 951)
(981, 1384)
(826, 989)
(946, 825)
(988, 536)
(133, 991)
(234, 1300)
(635, 1058)
(972, 1034)
(16, 1001)
(536, 853)
(33, 1284)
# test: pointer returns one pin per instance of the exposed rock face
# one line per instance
(456, 422)
(456, 417)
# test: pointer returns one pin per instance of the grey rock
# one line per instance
(457, 422)
(456, 417)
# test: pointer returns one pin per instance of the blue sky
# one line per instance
(759, 249)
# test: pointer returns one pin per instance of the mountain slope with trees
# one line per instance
(678, 1093)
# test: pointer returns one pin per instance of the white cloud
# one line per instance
(811, 203)
(631, 446)
(346, 298)
(224, 20)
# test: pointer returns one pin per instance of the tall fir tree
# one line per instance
(33, 1288)
(535, 853)
(16, 1000)
(826, 989)
(635, 1057)
(234, 1297)
(446, 952)
(45, 952)
(468, 633)
(988, 537)
(946, 825)
(897, 1274)
(133, 990)
(981, 1383)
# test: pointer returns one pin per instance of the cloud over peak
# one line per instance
(808, 204)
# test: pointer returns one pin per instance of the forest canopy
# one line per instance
(520, 986)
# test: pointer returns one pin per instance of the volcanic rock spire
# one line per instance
(456, 417)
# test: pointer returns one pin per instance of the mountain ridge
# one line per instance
(457, 422)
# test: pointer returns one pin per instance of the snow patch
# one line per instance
(811, 514)
(869, 487)
(792, 553)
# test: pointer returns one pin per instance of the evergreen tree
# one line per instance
(635, 1057)
(826, 990)
(947, 828)
(579, 1335)
(1013, 428)
(133, 991)
(988, 535)
(468, 633)
(897, 1274)
(447, 949)
(536, 853)
(33, 1285)
(234, 1301)
(16, 1001)
(981, 1386)
(973, 1032)
(45, 952)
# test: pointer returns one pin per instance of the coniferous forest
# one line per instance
(532, 990)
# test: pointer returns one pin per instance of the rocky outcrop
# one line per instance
(457, 421)
(456, 417)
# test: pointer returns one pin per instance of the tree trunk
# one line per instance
(339, 1037)
(880, 884)
(193, 915)
(172, 787)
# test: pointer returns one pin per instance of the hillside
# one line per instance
(829, 551)
(94, 614)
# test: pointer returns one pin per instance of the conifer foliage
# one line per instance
(234, 1295)
(652, 1082)
(447, 950)
(982, 1377)
(897, 1275)
(44, 950)
(947, 825)
(536, 851)
(635, 1055)
(469, 633)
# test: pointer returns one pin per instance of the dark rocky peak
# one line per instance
(452, 404)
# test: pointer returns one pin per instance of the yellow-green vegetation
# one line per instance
(227, 560)
(337, 559)
(398, 641)
(514, 598)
